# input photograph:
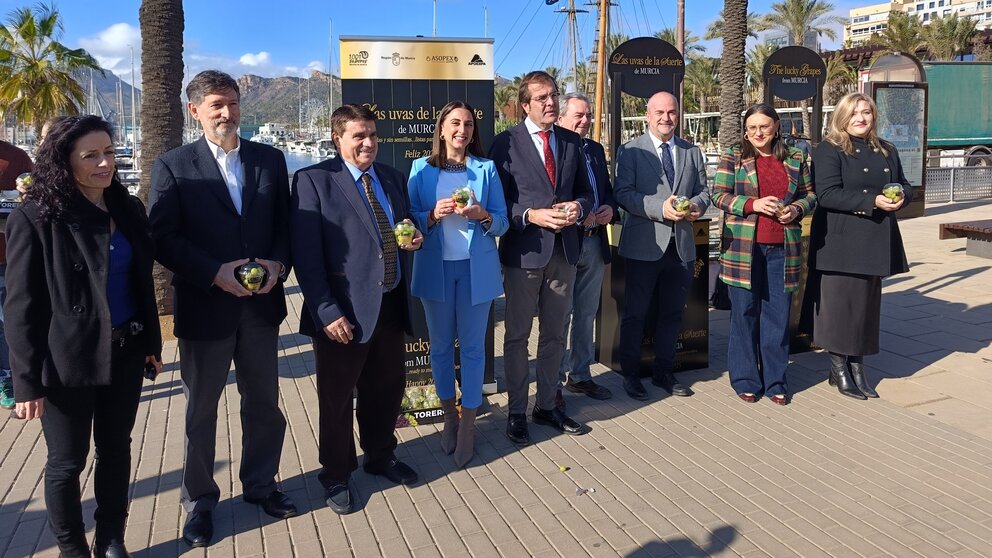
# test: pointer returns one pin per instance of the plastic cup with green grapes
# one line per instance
(404, 233)
(24, 182)
(681, 204)
(893, 191)
(781, 210)
(461, 196)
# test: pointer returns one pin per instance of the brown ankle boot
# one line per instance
(449, 436)
(466, 438)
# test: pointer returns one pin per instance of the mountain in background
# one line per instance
(262, 99)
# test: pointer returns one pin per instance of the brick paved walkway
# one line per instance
(907, 475)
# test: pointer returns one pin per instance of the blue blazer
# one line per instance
(339, 248)
(428, 262)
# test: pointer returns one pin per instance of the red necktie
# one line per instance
(549, 156)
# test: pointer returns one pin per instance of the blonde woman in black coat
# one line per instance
(855, 240)
(82, 324)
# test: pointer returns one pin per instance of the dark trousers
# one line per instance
(205, 366)
(549, 290)
(376, 369)
(71, 415)
(668, 279)
(758, 352)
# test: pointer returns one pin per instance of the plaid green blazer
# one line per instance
(735, 183)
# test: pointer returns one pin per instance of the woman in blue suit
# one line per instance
(456, 273)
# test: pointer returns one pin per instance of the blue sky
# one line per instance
(286, 37)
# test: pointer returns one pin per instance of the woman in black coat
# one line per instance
(81, 322)
(855, 240)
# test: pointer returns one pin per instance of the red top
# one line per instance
(772, 181)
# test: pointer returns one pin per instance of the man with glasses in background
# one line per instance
(547, 190)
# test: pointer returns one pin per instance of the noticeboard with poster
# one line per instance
(406, 82)
(902, 117)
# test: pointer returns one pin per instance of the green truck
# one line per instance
(959, 107)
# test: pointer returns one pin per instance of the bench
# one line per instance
(978, 233)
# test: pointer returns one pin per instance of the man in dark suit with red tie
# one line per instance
(354, 279)
(547, 190)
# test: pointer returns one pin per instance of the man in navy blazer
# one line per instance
(652, 171)
(215, 205)
(576, 115)
(547, 190)
(354, 279)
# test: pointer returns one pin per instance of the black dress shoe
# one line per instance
(110, 549)
(275, 504)
(516, 429)
(667, 382)
(396, 471)
(338, 498)
(557, 420)
(199, 528)
(635, 389)
(590, 388)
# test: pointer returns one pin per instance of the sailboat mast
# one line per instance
(597, 129)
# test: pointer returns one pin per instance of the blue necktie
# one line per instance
(592, 175)
(668, 165)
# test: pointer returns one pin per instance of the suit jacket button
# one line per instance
(78, 267)
(380, 256)
(380, 283)
(865, 191)
(866, 169)
(78, 309)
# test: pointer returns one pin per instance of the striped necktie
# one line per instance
(389, 249)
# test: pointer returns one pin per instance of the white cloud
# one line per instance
(260, 59)
(112, 49)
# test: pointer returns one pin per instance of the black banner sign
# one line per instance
(647, 65)
(794, 73)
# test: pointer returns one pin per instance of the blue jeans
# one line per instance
(758, 353)
(4, 351)
(457, 317)
(586, 293)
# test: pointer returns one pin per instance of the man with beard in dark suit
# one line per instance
(354, 277)
(215, 205)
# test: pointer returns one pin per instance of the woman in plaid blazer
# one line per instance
(764, 189)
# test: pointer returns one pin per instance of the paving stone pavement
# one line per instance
(907, 475)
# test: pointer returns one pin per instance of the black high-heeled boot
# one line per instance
(840, 377)
(857, 364)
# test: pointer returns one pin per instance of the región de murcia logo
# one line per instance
(476, 61)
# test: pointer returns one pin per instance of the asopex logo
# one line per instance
(476, 61)
(359, 58)
(440, 59)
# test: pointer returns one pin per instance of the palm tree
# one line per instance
(556, 73)
(949, 37)
(36, 80)
(903, 34)
(162, 23)
(702, 81)
(503, 96)
(754, 70)
(839, 80)
(798, 18)
(692, 46)
(755, 24)
(735, 33)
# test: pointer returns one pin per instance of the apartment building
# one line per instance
(864, 21)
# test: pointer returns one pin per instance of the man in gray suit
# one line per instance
(652, 171)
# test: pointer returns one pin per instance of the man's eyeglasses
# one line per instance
(541, 99)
